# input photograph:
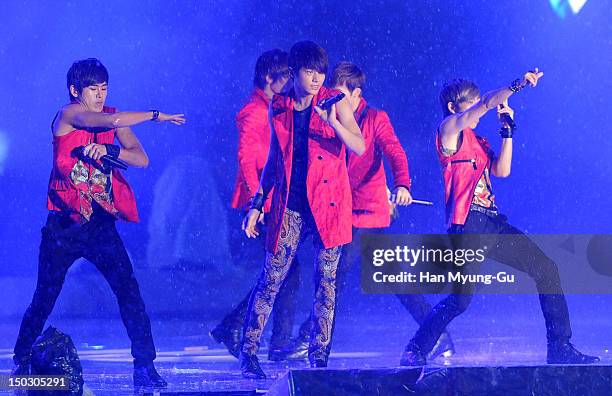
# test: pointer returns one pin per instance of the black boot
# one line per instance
(22, 366)
(412, 356)
(566, 353)
(147, 376)
(228, 336)
(277, 354)
(249, 365)
(317, 362)
(444, 347)
(298, 349)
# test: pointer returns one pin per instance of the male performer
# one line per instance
(371, 204)
(307, 167)
(271, 76)
(467, 163)
(86, 195)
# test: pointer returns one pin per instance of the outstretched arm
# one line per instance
(455, 123)
(75, 115)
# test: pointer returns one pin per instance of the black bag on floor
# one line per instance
(53, 353)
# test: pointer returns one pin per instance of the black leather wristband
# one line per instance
(516, 85)
(506, 132)
(112, 150)
(257, 202)
(155, 115)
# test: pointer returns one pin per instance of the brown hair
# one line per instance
(349, 74)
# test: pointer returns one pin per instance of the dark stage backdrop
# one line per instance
(198, 57)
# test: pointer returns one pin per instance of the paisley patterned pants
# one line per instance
(295, 228)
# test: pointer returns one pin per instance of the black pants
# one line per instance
(62, 243)
(520, 253)
(415, 304)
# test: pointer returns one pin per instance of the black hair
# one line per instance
(308, 55)
(273, 63)
(84, 73)
(457, 91)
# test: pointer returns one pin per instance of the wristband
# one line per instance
(112, 150)
(257, 202)
(516, 85)
(155, 115)
(506, 133)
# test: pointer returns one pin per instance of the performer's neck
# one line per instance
(302, 99)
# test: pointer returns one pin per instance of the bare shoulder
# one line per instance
(62, 123)
(446, 125)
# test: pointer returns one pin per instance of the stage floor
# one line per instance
(371, 333)
(191, 362)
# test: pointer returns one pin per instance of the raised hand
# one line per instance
(532, 77)
(328, 116)
(504, 108)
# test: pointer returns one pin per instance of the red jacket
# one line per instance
(253, 145)
(367, 173)
(327, 182)
(461, 172)
(74, 183)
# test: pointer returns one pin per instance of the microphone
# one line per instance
(506, 119)
(414, 201)
(114, 162)
(327, 103)
(110, 161)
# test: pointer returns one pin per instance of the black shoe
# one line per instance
(298, 350)
(412, 357)
(444, 347)
(566, 353)
(277, 354)
(22, 367)
(318, 363)
(228, 336)
(147, 376)
(249, 365)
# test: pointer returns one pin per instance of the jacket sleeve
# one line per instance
(268, 175)
(251, 125)
(389, 144)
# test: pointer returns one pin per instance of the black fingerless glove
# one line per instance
(257, 202)
(506, 132)
(112, 150)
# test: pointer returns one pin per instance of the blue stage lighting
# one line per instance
(4, 149)
(561, 6)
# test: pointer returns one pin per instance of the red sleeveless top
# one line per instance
(461, 172)
(74, 184)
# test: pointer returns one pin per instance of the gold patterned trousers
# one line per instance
(294, 229)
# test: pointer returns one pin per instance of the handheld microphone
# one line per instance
(327, 103)
(110, 161)
(114, 162)
(414, 201)
(505, 118)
